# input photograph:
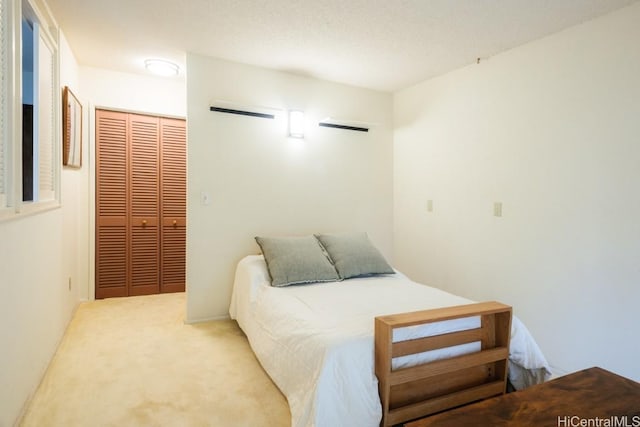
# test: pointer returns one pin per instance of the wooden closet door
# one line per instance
(140, 204)
(145, 206)
(174, 204)
(111, 204)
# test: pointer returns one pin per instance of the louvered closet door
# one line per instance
(140, 204)
(173, 190)
(145, 206)
(111, 204)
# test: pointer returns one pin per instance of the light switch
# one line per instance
(497, 208)
(205, 198)
(429, 205)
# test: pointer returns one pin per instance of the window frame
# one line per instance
(6, 85)
(36, 11)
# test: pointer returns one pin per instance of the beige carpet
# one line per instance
(133, 362)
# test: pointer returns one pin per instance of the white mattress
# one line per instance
(316, 341)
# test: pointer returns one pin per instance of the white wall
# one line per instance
(143, 93)
(75, 187)
(127, 92)
(38, 255)
(551, 130)
(263, 183)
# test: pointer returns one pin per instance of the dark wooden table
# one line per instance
(592, 394)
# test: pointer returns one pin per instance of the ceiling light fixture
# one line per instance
(161, 67)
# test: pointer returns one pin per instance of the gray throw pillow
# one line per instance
(296, 260)
(354, 255)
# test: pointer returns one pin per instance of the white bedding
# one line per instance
(316, 341)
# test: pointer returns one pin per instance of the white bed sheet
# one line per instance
(316, 341)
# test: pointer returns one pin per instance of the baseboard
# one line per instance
(206, 319)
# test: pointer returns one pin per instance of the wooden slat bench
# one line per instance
(414, 392)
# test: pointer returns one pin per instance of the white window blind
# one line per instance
(46, 129)
(3, 101)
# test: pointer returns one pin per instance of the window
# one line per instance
(29, 134)
(37, 114)
(29, 109)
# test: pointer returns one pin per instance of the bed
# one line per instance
(316, 341)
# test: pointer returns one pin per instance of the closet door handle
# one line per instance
(144, 222)
(175, 223)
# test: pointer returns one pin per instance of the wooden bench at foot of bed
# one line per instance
(425, 389)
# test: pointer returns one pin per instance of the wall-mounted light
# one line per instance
(296, 124)
(161, 67)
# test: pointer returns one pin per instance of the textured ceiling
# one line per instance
(380, 44)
